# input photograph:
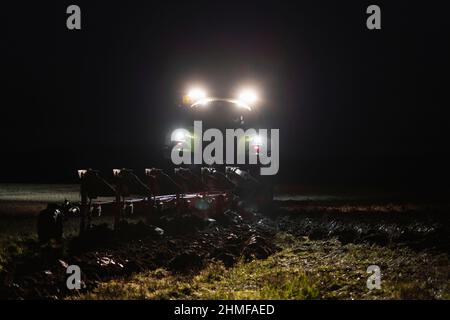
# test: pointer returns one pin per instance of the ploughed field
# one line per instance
(307, 246)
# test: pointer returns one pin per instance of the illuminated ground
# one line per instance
(309, 247)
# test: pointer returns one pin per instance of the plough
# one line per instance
(206, 194)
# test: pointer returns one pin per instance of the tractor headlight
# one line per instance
(257, 140)
(194, 95)
(248, 97)
(180, 135)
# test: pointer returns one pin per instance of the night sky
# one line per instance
(354, 106)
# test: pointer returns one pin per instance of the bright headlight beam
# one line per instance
(196, 94)
(248, 96)
(180, 135)
(257, 140)
(238, 103)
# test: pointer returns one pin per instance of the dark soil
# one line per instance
(186, 244)
(103, 254)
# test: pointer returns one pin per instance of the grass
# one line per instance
(254, 280)
(303, 269)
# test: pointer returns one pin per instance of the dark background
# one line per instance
(355, 107)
